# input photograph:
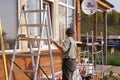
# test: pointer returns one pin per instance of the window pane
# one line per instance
(70, 17)
(8, 44)
(62, 21)
(63, 1)
(33, 18)
(71, 2)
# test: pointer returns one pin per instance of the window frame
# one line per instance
(69, 7)
(41, 6)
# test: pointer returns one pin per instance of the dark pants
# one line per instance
(68, 67)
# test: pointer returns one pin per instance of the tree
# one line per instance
(100, 17)
(114, 17)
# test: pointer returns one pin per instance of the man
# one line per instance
(69, 54)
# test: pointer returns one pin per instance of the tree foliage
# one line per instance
(113, 22)
(113, 17)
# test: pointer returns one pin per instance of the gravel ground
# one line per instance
(114, 69)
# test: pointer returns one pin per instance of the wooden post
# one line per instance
(105, 38)
(94, 36)
(78, 18)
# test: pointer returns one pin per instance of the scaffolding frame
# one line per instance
(91, 67)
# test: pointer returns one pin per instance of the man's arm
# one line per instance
(56, 44)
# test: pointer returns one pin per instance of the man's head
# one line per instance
(69, 32)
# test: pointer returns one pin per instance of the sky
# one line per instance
(116, 4)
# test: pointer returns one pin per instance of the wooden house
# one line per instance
(64, 13)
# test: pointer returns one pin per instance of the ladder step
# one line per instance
(19, 70)
(31, 11)
(30, 37)
(46, 65)
(33, 25)
(32, 54)
(22, 35)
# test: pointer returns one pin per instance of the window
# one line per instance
(70, 17)
(71, 2)
(66, 16)
(62, 21)
(63, 1)
(8, 16)
(37, 18)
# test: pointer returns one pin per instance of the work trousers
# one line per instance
(68, 68)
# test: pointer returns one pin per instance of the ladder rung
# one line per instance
(90, 44)
(21, 35)
(46, 65)
(26, 54)
(19, 70)
(33, 25)
(30, 37)
(31, 11)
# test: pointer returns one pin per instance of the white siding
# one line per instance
(8, 14)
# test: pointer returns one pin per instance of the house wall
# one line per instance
(25, 63)
(8, 18)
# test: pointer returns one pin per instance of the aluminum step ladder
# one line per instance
(35, 57)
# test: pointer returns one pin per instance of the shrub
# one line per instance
(114, 59)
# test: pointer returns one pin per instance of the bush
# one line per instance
(114, 59)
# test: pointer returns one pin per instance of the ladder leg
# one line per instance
(39, 51)
(37, 62)
(31, 51)
(48, 29)
(51, 59)
(12, 62)
(16, 44)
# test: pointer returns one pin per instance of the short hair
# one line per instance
(70, 31)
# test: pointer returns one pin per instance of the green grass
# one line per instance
(112, 59)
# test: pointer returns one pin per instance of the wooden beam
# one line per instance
(105, 38)
(78, 18)
(94, 35)
(104, 4)
(78, 28)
